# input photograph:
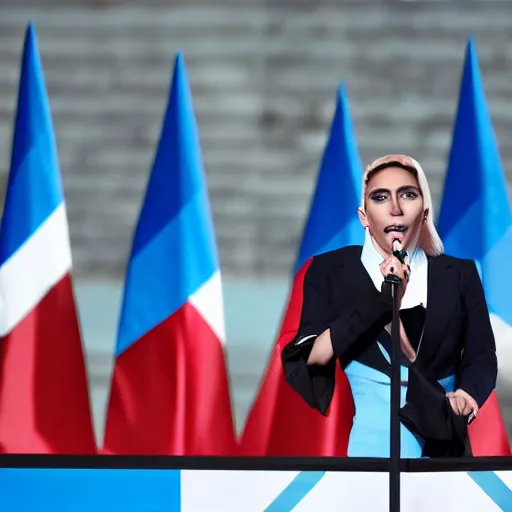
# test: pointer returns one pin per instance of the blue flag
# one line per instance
(34, 180)
(174, 249)
(475, 219)
(333, 220)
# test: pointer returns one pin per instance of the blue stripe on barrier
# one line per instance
(89, 490)
(494, 487)
(295, 491)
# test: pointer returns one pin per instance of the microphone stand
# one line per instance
(394, 285)
(394, 468)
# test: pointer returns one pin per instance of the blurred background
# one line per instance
(264, 76)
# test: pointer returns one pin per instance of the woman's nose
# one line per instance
(395, 208)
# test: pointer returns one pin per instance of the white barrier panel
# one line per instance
(286, 491)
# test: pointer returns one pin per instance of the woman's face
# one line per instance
(394, 208)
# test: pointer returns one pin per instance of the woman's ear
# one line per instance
(425, 215)
(362, 218)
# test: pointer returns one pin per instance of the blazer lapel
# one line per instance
(442, 296)
(354, 274)
(357, 284)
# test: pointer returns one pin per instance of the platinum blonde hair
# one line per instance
(429, 239)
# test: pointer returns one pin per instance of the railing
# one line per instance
(250, 484)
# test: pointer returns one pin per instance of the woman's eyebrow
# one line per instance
(403, 188)
(378, 191)
(408, 187)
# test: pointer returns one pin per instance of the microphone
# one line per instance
(393, 279)
(398, 252)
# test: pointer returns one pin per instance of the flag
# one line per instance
(170, 393)
(475, 222)
(280, 422)
(44, 401)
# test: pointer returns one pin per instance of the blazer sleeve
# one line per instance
(479, 368)
(315, 383)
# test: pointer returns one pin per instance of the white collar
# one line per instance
(417, 288)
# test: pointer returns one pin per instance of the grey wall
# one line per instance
(264, 76)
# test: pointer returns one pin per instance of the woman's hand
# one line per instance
(322, 351)
(462, 403)
(392, 265)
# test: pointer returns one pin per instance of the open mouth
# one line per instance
(396, 229)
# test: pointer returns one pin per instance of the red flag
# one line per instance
(170, 392)
(487, 434)
(44, 402)
(280, 422)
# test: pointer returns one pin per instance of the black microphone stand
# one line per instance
(394, 284)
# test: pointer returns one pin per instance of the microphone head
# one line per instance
(398, 252)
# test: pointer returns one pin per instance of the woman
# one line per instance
(448, 365)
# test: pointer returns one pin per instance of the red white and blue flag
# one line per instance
(280, 422)
(475, 222)
(44, 401)
(170, 393)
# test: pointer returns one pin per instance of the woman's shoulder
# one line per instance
(463, 264)
(341, 254)
(448, 258)
(327, 260)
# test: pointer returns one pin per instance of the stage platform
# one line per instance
(202, 484)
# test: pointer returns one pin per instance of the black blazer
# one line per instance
(339, 294)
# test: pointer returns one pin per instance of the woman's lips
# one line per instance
(400, 229)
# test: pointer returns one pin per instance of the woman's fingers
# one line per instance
(394, 266)
(466, 411)
(460, 405)
(454, 402)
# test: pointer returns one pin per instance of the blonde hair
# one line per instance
(429, 239)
